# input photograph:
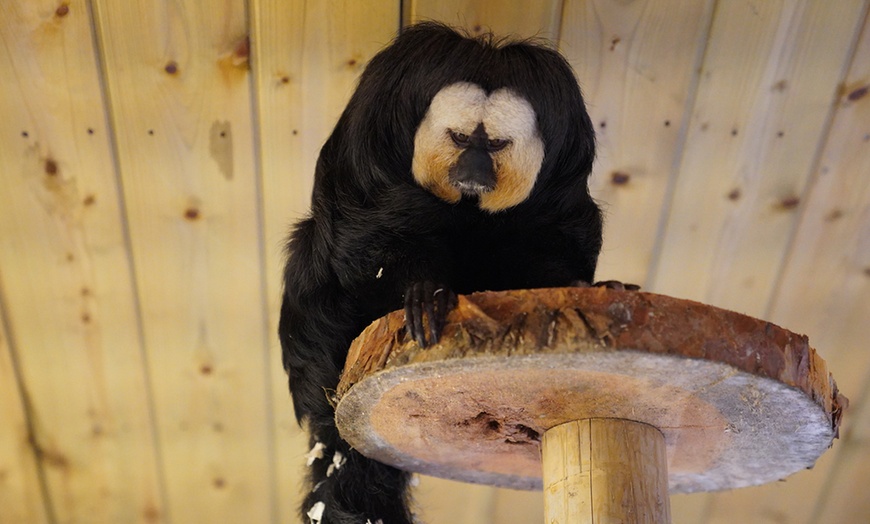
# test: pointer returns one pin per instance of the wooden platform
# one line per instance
(739, 400)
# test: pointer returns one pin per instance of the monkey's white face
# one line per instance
(473, 144)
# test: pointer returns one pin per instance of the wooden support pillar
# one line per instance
(605, 471)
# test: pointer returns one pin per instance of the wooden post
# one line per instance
(605, 471)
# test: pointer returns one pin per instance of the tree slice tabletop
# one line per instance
(740, 401)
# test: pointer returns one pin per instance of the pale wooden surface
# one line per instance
(21, 494)
(753, 140)
(637, 64)
(67, 288)
(836, 222)
(523, 19)
(605, 471)
(177, 79)
(52, 86)
(824, 287)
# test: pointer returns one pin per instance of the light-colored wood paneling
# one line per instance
(66, 272)
(636, 63)
(523, 19)
(440, 500)
(309, 55)
(825, 287)
(21, 494)
(187, 418)
(178, 82)
(825, 290)
(770, 73)
(842, 498)
(825, 293)
(518, 506)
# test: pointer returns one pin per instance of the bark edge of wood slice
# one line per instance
(739, 400)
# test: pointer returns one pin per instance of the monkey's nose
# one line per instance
(473, 172)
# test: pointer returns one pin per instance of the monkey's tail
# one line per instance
(348, 488)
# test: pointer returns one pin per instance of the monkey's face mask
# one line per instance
(479, 146)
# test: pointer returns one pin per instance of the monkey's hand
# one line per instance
(609, 284)
(431, 301)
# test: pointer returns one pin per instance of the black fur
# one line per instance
(369, 218)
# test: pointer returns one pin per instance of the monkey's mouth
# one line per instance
(470, 188)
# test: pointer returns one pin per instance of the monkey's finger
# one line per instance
(440, 299)
(414, 314)
(429, 304)
(445, 300)
(418, 331)
(616, 284)
(611, 284)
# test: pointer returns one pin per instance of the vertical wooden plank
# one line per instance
(66, 273)
(689, 508)
(836, 229)
(178, 82)
(522, 19)
(842, 498)
(636, 62)
(770, 73)
(440, 500)
(308, 56)
(518, 506)
(825, 292)
(21, 495)
(845, 500)
(791, 501)
(826, 286)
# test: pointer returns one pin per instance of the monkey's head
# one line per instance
(496, 123)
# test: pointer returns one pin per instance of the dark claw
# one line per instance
(429, 305)
(430, 300)
(616, 284)
(414, 314)
(609, 284)
(446, 301)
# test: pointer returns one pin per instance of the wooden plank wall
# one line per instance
(21, 488)
(176, 76)
(768, 77)
(153, 155)
(637, 67)
(68, 290)
(824, 288)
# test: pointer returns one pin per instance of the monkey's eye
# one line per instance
(497, 144)
(460, 139)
